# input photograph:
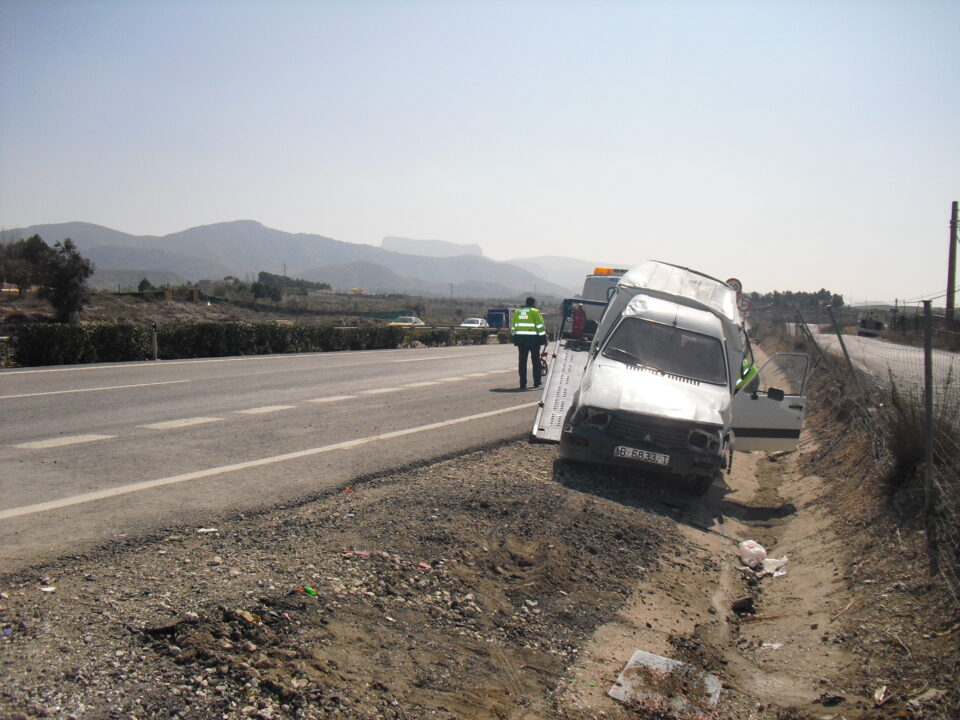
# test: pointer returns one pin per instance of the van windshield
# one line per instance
(668, 349)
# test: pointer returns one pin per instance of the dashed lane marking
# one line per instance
(186, 422)
(265, 409)
(378, 391)
(96, 389)
(333, 398)
(223, 469)
(61, 441)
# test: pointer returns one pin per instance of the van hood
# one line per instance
(611, 385)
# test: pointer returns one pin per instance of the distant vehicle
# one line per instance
(407, 321)
(499, 318)
(600, 286)
(474, 323)
(872, 323)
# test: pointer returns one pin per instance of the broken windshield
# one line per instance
(668, 349)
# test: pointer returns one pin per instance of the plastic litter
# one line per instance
(752, 554)
(48, 589)
(308, 590)
(207, 530)
(881, 695)
(667, 688)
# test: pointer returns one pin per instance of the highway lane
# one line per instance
(888, 361)
(92, 452)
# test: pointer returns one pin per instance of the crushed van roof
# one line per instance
(673, 280)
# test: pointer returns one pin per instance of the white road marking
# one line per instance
(66, 440)
(377, 391)
(422, 384)
(265, 409)
(450, 379)
(476, 375)
(186, 422)
(200, 361)
(435, 357)
(97, 389)
(209, 472)
(333, 398)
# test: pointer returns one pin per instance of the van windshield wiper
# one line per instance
(631, 358)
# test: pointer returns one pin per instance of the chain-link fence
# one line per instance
(911, 395)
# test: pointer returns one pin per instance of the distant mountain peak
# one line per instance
(431, 248)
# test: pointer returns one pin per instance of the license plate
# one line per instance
(622, 451)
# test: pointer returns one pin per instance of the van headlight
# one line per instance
(709, 440)
(594, 417)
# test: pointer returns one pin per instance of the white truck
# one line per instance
(655, 387)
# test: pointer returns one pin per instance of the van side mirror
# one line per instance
(775, 394)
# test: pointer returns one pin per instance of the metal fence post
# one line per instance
(929, 490)
(153, 342)
(843, 346)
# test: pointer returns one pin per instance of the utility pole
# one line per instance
(951, 266)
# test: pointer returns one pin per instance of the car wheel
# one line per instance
(700, 484)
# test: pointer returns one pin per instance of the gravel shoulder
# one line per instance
(498, 584)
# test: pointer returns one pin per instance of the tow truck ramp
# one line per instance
(567, 363)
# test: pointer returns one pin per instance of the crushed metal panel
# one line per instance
(666, 688)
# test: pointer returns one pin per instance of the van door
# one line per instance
(768, 414)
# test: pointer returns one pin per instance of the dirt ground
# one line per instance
(499, 584)
(106, 307)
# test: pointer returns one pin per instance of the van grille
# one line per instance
(638, 429)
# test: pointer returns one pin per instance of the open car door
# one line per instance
(768, 411)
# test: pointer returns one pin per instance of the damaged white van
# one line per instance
(659, 389)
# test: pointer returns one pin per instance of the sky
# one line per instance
(795, 145)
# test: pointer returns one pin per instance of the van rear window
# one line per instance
(669, 349)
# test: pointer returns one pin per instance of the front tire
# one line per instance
(700, 484)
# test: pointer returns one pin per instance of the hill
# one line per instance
(244, 247)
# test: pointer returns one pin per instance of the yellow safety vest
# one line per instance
(528, 321)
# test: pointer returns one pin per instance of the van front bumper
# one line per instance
(591, 444)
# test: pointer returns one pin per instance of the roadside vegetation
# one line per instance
(885, 418)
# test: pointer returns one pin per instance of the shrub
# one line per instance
(59, 344)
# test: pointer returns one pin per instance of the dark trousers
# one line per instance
(528, 346)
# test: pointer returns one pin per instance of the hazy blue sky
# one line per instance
(797, 145)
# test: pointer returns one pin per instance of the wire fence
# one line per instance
(899, 372)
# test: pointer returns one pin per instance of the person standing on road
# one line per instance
(529, 334)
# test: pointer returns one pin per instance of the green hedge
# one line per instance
(55, 344)
(434, 337)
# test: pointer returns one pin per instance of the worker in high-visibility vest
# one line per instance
(529, 334)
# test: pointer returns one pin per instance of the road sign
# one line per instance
(743, 304)
(735, 284)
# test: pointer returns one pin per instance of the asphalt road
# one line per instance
(96, 452)
(888, 361)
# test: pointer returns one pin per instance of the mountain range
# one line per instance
(243, 248)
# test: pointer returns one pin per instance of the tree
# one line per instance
(22, 262)
(64, 280)
(144, 285)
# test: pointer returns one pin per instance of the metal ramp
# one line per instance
(567, 364)
(568, 361)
